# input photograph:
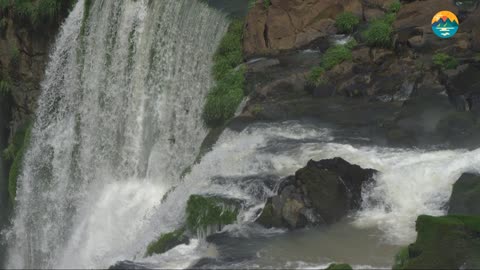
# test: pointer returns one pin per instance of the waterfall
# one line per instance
(118, 121)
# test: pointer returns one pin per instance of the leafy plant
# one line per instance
(346, 22)
(335, 55)
(229, 74)
(445, 61)
(316, 76)
(379, 32)
(5, 87)
(266, 3)
(395, 7)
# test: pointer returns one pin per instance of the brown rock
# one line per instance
(289, 24)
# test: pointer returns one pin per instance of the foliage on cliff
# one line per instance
(37, 12)
(229, 75)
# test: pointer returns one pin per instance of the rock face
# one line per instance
(450, 242)
(320, 193)
(465, 199)
(288, 24)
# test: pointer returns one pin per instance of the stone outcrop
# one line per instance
(465, 198)
(323, 192)
(288, 24)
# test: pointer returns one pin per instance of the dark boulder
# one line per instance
(323, 192)
(131, 265)
(465, 198)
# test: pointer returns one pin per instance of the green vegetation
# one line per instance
(37, 11)
(395, 7)
(229, 74)
(445, 61)
(447, 242)
(15, 152)
(340, 266)
(346, 22)
(251, 3)
(333, 56)
(379, 32)
(203, 212)
(401, 259)
(166, 242)
(316, 76)
(266, 3)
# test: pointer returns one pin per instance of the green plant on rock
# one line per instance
(166, 242)
(37, 11)
(379, 32)
(15, 153)
(316, 76)
(229, 74)
(267, 3)
(401, 259)
(204, 212)
(395, 7)
(346, 22)
(339, 266)
(336, 55)
(445, 61)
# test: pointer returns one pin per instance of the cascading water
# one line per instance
(117, 123)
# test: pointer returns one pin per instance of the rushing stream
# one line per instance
(119, 120)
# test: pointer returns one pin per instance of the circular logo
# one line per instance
(445, 24)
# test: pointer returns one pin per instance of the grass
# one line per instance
(346, 22)
(228, 92)
(379, 33)
(445, 61)
(267, 3)
(316, 76)
(203, 212)
(166, 242)
(395, 7)
(15, 153)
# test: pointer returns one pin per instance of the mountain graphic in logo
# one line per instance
(445, 24)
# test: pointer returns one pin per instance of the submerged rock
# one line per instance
(465, 198)
(320, 193)
(449, 242)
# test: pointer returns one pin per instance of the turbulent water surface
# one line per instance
(119, 121)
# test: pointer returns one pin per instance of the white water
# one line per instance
(119, 119)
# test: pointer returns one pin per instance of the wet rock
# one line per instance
(130, 265)
(320, 193)
(340, 266)
(465, 198)
(449, 242)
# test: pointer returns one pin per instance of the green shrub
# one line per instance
(379, 32)
(166, 242)
(316, 76)
(203, 212)
(251, 3)
(336, 55)
(224, 98)
(395, 7)
(346, 22)
(37, 11)
(444, 61)
(15, 152)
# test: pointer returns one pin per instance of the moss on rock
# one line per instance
(339, 266)
(166, 242)
(448, 242)
(204, 212)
